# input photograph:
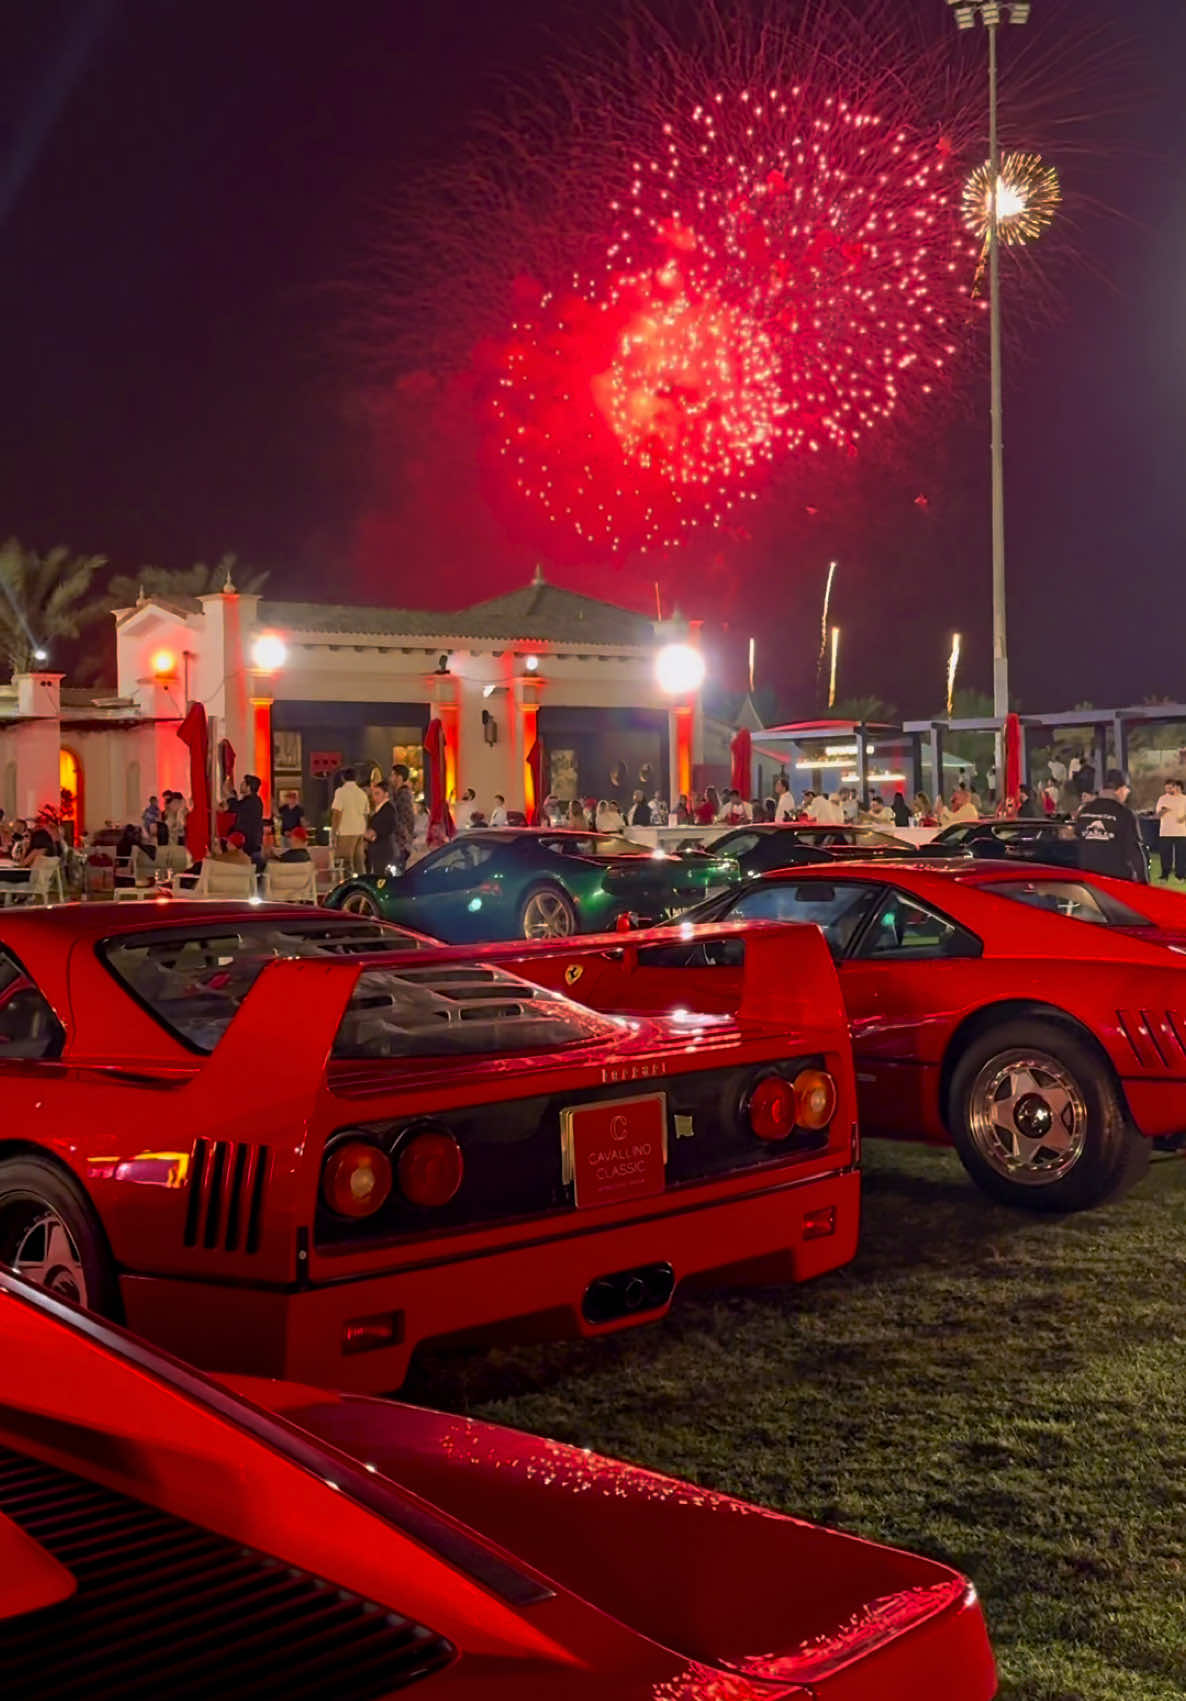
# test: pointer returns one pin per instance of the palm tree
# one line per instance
(173, 584)
(870, 711)
(43, 598)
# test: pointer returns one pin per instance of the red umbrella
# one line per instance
(435, 782)
(742, 748)
(1012, 790)
(195, 735)
(535, 772)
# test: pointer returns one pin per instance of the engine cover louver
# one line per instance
(166, 1609)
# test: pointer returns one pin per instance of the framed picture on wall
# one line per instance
(563, 775)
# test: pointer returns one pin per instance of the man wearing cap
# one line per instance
(1107, 834)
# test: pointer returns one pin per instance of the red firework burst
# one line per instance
(838, 234)
(640, 413)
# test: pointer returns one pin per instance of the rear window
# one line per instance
(593, 844)
(1072, 898)
(193, 981)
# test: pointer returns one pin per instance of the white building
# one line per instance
(356, 687)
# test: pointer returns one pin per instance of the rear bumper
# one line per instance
(298, 1335)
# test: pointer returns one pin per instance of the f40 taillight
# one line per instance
(429, 1167)
(356, 1179)
(777, 1107)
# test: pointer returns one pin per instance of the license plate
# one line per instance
(616, 1150)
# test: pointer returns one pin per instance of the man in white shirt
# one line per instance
(463, 813)
(498, 815)
(819, 810)
(1171, 814)
(785, 808)
(349, 813)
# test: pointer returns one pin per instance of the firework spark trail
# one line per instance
(832, 672)
(953, 662)
(823, 623)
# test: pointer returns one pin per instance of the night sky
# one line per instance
(189, 196)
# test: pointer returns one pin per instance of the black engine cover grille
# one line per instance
(169, 1611)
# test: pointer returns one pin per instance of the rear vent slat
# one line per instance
(164, 1608)
(226, 1195)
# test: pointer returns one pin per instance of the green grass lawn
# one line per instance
(1004, 1392)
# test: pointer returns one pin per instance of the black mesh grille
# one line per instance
(165, 1609)
(226, 1195)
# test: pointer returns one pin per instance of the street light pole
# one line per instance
(989, 13)
(1000, 648)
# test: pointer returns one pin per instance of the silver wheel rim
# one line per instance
(45, 1254)
(1027, 1117)
(546, 915)
(358, 903)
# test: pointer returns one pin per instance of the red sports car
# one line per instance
(1035, 1016)
(162, 1535)
(294, 1143)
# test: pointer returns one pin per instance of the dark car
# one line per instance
(546, 883)
(1022, 840)
(766, 845)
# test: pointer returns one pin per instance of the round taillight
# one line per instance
(430, 1167)
(815, 1095)
(356, 1180)
(771, 1108)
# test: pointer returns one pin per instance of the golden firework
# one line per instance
(1028, 196)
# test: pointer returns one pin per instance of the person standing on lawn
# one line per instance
(1171, 816)
(1107, 834)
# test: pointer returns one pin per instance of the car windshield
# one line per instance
(194, 981)
(1072, 898)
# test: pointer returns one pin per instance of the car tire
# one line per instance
(360, 902)
(547, 912)
(1039, 1121)
(50, 1234)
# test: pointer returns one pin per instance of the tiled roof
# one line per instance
(342, 617)
(538, 611)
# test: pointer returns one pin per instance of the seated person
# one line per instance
(235, 852)
(40, 844)
(298, 848)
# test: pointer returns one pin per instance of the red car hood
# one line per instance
(736, 1589)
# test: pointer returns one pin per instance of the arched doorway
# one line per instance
(70, 782)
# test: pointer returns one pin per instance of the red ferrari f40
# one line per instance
(291, 1143)
(164, 1534)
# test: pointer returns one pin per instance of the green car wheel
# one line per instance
(547, 914)
(360, 902)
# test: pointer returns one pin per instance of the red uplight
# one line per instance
(356, 1181)
(772, 1108)
(430, 1167)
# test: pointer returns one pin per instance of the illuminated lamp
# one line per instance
(679, 670)
(164, 664)
(531, 663)
(815, 1099)
(356, 1180)
(430, 1167)
(269, 652)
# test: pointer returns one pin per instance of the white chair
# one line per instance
(43, 886)
(225, 880)
(290, 882)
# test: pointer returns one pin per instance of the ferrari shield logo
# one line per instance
(573, 973)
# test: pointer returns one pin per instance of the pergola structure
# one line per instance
(1109, 728)
(827, 754)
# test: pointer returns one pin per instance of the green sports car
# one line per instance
(535, 883)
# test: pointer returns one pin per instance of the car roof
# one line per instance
(891, 872)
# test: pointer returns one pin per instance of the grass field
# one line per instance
(1004, 1392)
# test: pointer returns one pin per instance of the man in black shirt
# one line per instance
(249, 818)
(1107, 834)
(380, 833)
